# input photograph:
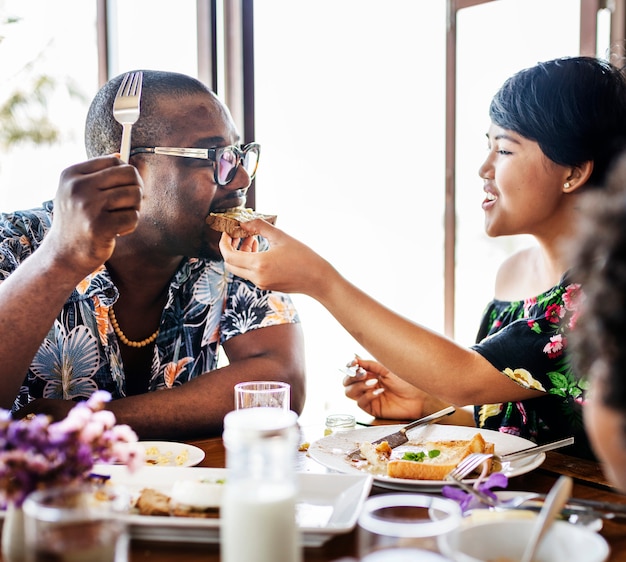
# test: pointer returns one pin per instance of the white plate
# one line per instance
(327, 504)
(170, 453)
(331, 451)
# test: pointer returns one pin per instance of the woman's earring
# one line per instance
(566, 185)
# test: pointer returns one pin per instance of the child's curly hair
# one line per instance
(599, 339)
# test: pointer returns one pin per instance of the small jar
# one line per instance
(258, 511)
(339, 422)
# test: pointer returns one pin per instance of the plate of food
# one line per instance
(422, 463)
(183, 504)
(171, 453)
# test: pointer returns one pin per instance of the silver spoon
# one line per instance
(555, 500)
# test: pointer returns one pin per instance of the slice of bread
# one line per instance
(153, 502)
(230, 221)
(435, 466)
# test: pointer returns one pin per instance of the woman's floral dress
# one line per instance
(527, 341)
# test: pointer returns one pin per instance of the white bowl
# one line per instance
(508, 538)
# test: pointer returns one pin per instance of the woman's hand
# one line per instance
(384, 395)
(288, 265)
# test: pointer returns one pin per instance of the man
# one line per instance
(122, 286)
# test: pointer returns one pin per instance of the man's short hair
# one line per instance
(103, 133)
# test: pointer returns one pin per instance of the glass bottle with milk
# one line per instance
(258, 511)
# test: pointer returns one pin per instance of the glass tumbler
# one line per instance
(405, 527)
(78, 523)
(263, 394)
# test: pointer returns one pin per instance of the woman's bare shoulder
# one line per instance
(515, 279)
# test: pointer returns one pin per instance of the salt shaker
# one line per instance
(258, 511)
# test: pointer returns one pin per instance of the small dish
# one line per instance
(480, 513)
(171, 453)
(506, 539)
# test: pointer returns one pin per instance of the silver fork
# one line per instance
(126, 108)
(465, 467)
(470, 463)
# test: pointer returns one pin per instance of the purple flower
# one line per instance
(37, 453)
(465, 499)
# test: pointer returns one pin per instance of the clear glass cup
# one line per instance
(263, 394)
(76, 523)
(398, 527)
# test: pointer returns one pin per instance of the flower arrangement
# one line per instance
(466, 500)
(37, 453)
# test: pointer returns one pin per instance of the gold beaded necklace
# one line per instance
(122, 337)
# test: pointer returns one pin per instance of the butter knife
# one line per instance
(606, 510)
(535, 450)
(399, 437)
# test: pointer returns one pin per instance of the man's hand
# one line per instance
(96, 201)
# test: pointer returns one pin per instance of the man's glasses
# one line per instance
(226, 159)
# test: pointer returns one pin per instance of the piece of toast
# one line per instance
(451, 453)
(153, 502)
(230, 221)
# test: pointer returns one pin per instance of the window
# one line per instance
(494, 40)
(353, 156)
(353, 149)
(156, 34)
(44, 42)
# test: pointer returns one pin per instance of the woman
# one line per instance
(555, 128)
(599, 338)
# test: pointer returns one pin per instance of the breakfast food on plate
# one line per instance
(155, 456)
(229, 221)
(187, 498)
(153, 502)
(190, 498)
(427, 460)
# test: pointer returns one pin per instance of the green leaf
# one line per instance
(412, 456)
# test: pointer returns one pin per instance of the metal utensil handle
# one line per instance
(432, 417)
(555, 500)
(539, 449)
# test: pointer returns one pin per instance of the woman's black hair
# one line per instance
(574, 108)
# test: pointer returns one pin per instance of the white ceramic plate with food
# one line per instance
(171, 453)
(327, 504)
(331, 451)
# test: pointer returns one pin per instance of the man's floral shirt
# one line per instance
(527, 341)
(205, 307)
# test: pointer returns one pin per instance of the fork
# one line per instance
(126, 108)
(465, 467)
(470, 463)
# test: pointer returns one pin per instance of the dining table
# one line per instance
(588, 478)
(589, 483)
